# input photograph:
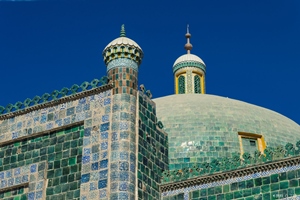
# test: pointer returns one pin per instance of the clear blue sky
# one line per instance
(251, 48)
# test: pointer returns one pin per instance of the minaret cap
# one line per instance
(188, 46)
(122, 32)
(122, 47)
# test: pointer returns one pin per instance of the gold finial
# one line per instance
(188, 46)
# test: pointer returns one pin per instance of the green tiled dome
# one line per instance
(202, 127)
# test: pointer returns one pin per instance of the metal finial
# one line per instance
(123, 33)
(188, 46)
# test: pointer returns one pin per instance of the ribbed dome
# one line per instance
(201, 127)
(122, 40)
(188, 57)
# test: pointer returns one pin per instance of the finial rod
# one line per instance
(188, 46)
(122, 32)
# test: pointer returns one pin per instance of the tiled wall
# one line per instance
(92, 158)
(279, 183)
(125, 80)
(19, 193)
(152, 151)
(59, 153)
(122, 142)
(275, 186)
(175, 197)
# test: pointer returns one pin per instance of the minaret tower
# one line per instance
(189, 71)
(123, 57)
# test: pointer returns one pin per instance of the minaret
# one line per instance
(122, 57)
(189, 71)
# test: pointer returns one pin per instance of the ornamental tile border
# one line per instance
(126, 51)
(122, 62)
(237, 162)
(56, 98)
(32, 176)
(236, 175)
(187, 190)
(189, 64)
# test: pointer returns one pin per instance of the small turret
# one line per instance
(189, 71)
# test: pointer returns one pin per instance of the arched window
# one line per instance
(181, 84)
(197, 84)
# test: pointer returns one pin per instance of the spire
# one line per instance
(188, 46)
(123, 33)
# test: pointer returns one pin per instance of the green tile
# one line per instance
(291, 174)
(297, 191)
(196, 194)
(282, 176)
(265, 188)
(284, 184)
(274, 186)
(203, 192)
(229, 195)
(247, 192)
(249, 183)
(266, 180)
(256, 191)
(238, 194)
(225, 188)
(258, 182)
(274, 178)
(293, 183)
(266, 196)
(233, 186)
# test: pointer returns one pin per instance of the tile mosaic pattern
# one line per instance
(122, 62)
(181, 84)
(55, 117)
(152, 150)
(197, 84)
(274, 184)
(34, 175)
(122, 144)
(189, 81)
(203, 127)
(95, 112)
(125, 80)
(57, 153)
(188, 63)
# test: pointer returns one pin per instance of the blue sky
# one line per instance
(251, 48)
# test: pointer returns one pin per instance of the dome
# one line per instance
(124, 41)
(202, 127)
(188, 57)
(122, 48)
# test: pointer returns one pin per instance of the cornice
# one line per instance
(55, 102)
(230, 174)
